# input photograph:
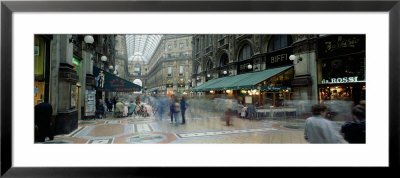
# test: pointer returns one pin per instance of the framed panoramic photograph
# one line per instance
(111, 89)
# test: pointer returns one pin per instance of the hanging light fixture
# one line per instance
(104, 58)
(88, 39)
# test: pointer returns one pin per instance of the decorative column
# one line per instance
(305, 79)
(67, 114)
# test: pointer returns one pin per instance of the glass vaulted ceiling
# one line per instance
(141, 45)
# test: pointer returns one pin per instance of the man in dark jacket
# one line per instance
(43, 112)
(354, 131)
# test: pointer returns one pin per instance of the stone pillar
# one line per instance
(54, 65)
(82, 80)
(305, 80)
(67, 117)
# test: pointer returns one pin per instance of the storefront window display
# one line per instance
(341, 68)
(277, 91)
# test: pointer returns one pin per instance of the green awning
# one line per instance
(243, 81)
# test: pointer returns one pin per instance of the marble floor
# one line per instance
(200, 128)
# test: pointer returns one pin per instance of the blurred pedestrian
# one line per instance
(318, 129)
(114, 102)
(109, 105)
(126, 109)
(171, 107)
(354, 131)
(119, 109)
(183, 106)
(43, 112)
(176, 110)
(137, 101)
(100, 109)
(132, 107)
(161, 106)
(251, 111)
(229, 108)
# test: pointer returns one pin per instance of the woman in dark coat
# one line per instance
(183, 108)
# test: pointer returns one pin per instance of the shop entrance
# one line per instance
(344, 92)
(276, 99)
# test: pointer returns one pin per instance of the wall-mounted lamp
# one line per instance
(111, 67)
(293, 57)
(103, 58)
(225, 72)
(208, 75)
(249, 66)
(88, 39)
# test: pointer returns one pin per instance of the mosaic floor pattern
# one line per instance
(148, 130)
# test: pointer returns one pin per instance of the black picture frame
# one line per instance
(8, 7)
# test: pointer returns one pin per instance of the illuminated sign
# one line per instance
(341, 80)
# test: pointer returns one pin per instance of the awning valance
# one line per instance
(243, 81)
(106, 81)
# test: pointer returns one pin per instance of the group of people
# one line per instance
(120, 108)
(177, 108)
(318, 129)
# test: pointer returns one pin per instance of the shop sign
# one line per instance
(90, 104)
(106, 81)
(275, 88)
(243, 66)
(335, 45)
(341, 80)
(279, 58)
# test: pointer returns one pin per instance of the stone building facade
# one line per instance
(170, 66)
(64, 72)
(219, 55)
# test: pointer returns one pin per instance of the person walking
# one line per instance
(100, 109)
(171, 107)
(109, 105)
(354, 131)
(176, 110)
(114, 103)
(126, 109)
(43, 124)
(318, 129)
(161, 106)
(132, 107)
(137, 100)
(119, 108)
(183, 106)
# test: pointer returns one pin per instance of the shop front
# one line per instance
(169, 88)
(106, 82)
(42, 68)
(341, 68)
(265, 88)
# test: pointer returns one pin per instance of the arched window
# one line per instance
(224, 60)
(137, 69)
(279, 41)
(245, 53)
(209, 65)
(198, 69)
